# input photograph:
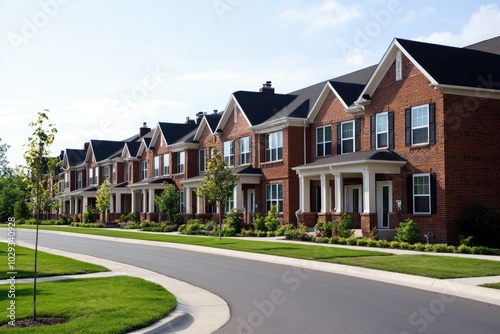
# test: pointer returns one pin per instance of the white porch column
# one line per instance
(71, 205)
(118, 203)
(134, 202)
(85, 203)
(369, 192)
(188, 193)
(238, 196)
(305, 194)
(144, 201)
(200, 203)
(326, 201)
(339, 193)
(151, 205)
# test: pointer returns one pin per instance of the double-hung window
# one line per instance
(180, 162)
(229, 204)
(166, 164)
(422, 193)
(324, 141)
(66, 180)
(274, 146)
(105, 174)
(382, 130)
(79, 184)
(202, 159)
(274, 196)
(91, 176)
(229, 153)
(144, 170)
(156, 166)
(245, 151)
(420, 125)
(126, 169)
(347, 136)
(96, 175)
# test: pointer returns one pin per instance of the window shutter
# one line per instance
(391, 129)
(408, 127)
(357, 134)
(339, 138)
(409, 193)
(432, 123)
(433, 193)
(373, 126)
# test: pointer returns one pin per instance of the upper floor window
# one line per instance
(156, 166)
(324, 141)
(202, 156)
(66, 180)
(382, 130)
(274, 196)
(229, 152)
(126, 169)
(113, 177)
(348, 136)
(79, 182)
(420, 125)
(144, 170)
(245, 151)
(105, 174)
(96, 175)
(180, 203)
(91, 176)
(180, 162)
(274, 146)
(166, 164)
(229, 204)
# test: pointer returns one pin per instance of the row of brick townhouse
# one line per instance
(415, 136)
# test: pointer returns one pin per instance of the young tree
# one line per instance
(167, 201)
(219, 182)
(4, 164)
(38, 149)
(102, 198)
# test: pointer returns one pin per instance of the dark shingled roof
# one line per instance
(105, 149)
(133, 148)
(213, 120)
(456, 66)
(373, 155)
(155, 181)
(349, 86)
(260, 107)
(174, 132)
(491, 45)
(75, 157)
(248, 170)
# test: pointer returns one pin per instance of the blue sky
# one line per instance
(103, 68)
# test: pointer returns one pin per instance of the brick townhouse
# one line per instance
(414, 136)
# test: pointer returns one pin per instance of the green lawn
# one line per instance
(423, 265)
(97, 305)
(492, 285)
(48, 264)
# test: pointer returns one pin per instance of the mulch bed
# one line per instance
(37, 322)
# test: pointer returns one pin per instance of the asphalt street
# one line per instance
(273, 298)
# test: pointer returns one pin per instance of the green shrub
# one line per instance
(292, 234)
(464, 249)
(429, 248)
(419, 246)
(482, 223)
(228, 231)
(169, 228)
(271, 221)
(407, 231)
(261, 233)
(351, 241)
(383, 243)
(21, 210)
(324, 228)
(133, 217)
(404, 245)
(394, 244)
(361, 242)
(124, 218)
(271, 233)
(129, 226)
(88, 217)
(64, 219)
(283, 228)
(321, 240)
(371, 243)
(259, 222)
(334, 240)
(467, 241)
(345, 226)
(194, 226)
(443, 248)
(233, 219)
(342, 241)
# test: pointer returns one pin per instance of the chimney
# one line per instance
(189, 121)
(199, 117)
(86, 146)
(266, 88)
(144, 129)
(215, 111)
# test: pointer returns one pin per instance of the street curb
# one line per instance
(197, 311)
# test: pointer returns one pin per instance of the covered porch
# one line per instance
(142, 197)
(365, 184)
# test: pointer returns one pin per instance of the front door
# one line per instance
(250, 205)
(384, 203)
(353, 198)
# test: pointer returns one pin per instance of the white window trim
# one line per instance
(156, 166)
(386, 114)
(202, 152)
(242, 152)
(275, 201)
(166, 164)
(228, 155)
(353, 138)
(144, 170)
(324, 142)
(420, 127)
(428, 175)
(279, 135)
(181, 165)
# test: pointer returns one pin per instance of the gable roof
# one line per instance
(104, 149)
(74, 157)
(176, 132)
(453, 70)
(491, 45)
(132, 148)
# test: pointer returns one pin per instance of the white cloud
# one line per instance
(482, 24)
(324, 16)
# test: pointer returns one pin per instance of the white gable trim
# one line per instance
(321, 99)
(201, 127)
(228, 110)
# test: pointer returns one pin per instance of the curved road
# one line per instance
(271, 298)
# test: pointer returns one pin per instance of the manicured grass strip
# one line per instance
(97, 305)
(492, 285)
(299, 251)
(48, 264)
(427, 265)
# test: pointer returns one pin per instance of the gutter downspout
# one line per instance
(305, 162)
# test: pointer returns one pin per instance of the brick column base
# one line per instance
(308, 218)
(368, 222)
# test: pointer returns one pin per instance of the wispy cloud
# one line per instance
(482, 24)
(329, 14)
